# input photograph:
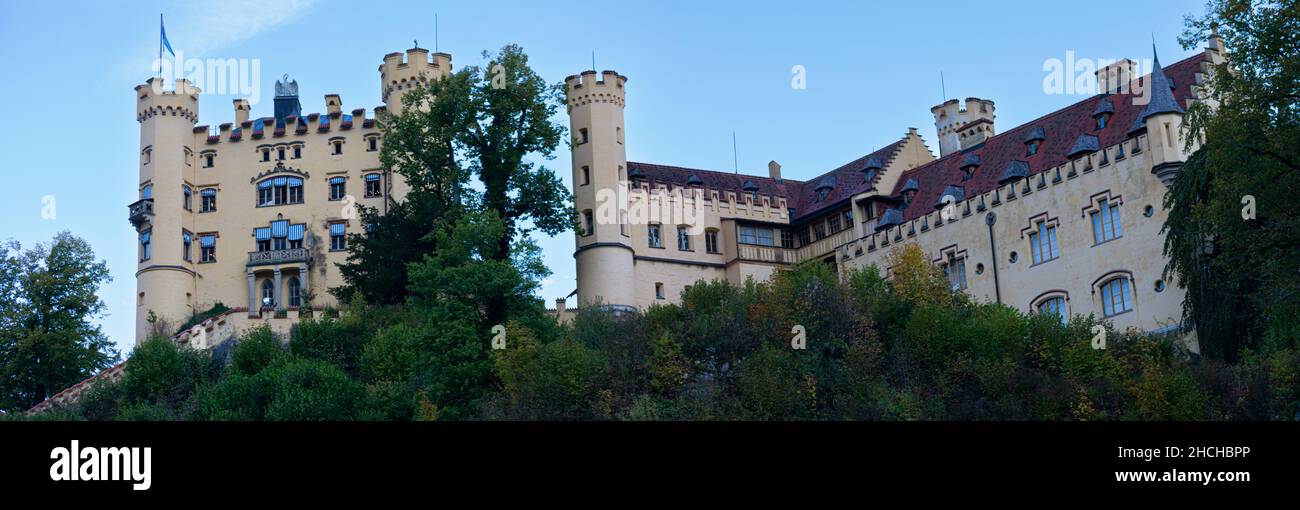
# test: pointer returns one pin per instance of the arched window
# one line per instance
(268, 293)
(1054, 305)
(295, 291)
(146, 192)
(1116, 296)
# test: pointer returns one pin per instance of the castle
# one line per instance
(1060, 215)
(256, 214)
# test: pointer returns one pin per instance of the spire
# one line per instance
(1160, 92)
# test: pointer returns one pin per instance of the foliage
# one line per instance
(48, 303)
(1240, 273)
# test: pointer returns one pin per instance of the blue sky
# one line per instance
(697, 72)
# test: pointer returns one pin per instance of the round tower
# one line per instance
(398, 76)
(604, 247)
(165, 276)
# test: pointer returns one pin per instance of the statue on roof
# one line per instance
(285, 87)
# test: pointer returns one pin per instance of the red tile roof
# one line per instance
(799, 195)
(1062, 129)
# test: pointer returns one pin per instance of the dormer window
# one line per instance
(969, 165)
(1034, 139)
(1105, 108)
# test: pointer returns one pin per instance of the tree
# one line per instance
(1240, 271)
(48, 300)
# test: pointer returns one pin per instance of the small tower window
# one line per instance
(372, 144)
(297, 152)
(279, 154)
(588, 223)
(586, 176)
(146, 251)
(266, 154)
(207, 248)
(582, 136)
(187, 200)
(187, 241)
(146, 192)
(208, 159)
(338, 147)
(208, 200)
(659, 290)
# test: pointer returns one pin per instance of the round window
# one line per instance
(979, 268)
(1160, 285)
(1149, 211)
(1014, 257)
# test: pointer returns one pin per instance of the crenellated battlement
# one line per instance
(293, 126)
(153, 101)
(589, 87)
(973, 207)
(717, 201)
(399, 74)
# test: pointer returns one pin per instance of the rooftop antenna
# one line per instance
(735, 158)
(435, 32)
(943, 87)
(593, 60)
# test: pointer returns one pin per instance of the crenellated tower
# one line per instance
(960, 127)
(398, 76)
(604, 246)
(163, 217)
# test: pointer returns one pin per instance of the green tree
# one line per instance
(1240, 272)
(48, 302)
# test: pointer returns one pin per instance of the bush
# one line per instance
(311, 390)
(258, 349)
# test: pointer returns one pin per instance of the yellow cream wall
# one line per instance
(237, 214)
(1080, 263)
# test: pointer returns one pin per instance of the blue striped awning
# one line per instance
(281, 181)
(295, 232)
(262, 233)
(264, 184)
(338, 229)
(210, 192)
(372, 177)
(186, 237)
(337, 180)
(295, 181)
(207, 241)
(279, 228)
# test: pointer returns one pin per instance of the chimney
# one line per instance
(1116, 78)
(559, 306)
(774, 170)
(241, 111)
(333, 104)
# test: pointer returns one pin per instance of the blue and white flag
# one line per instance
(163, 34)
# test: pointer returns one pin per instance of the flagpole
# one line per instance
(160, 44)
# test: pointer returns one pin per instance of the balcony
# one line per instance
(273, 257)
(757, 253)
(140, 212)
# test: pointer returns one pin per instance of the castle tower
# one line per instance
(604, 250)
(165, 277)
(1163, 118)
(960, 127)
(398, 76)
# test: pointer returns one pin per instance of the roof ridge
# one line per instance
(1051, 115)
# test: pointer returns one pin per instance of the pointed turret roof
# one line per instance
(1160, 92)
